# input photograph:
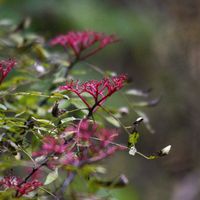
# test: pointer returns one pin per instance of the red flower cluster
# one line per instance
(89, 143)
(51, 146)
(94, 143)
(14, 182)
(55, 149)
(5, 67)
(80, 41)
(98, 90)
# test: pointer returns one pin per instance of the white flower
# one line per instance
(138, 120)
(166, 150)
(124, 110)
(39, 68)
(132, 151)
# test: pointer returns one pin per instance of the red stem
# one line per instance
(84, 101)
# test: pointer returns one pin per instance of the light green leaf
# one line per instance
(52, 176)
(113, 121)
(43, 121)
(3, 107)
(41, 52)
(78, 103)
(19, 114)
(136, 92)
(68, 119)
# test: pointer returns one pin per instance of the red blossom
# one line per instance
(70, 158)
(5, 67)
(89, 143)
(98, 90)
(80, 41)
(14, 182)
(55, 148)
(94, 143)
(51, 145)
(10, 182)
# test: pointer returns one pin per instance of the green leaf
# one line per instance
(40, 52)
(149, 103)
(140, 104)
(19, 114)
(44, 121)
(52, 176)
(63, 104)
(2, 107)
(124, 193)
(68, 119)
(113, 121)
(91, 169)
(6, 22)
(136, 92)
(133, 139)
(78, 103)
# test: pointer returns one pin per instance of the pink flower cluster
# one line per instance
(5, 67)
(14, 182)
(98, 90)
(94, 143)
(51, 146)
(88, 143)
(80, 41)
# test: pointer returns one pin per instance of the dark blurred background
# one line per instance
(160, 49)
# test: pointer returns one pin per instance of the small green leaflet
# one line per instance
(133, 139)
(68, 119)
(44, 121)
(3, 107)
(52, 176)
(113, 121)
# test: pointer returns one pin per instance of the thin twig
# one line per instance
(47, 191)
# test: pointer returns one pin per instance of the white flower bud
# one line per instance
(166, 150)
(132, 151)
(138, 121)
